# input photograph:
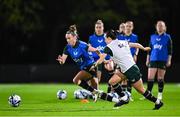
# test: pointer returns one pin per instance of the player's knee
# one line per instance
(160, 80)
(112, 82)
(75, 81)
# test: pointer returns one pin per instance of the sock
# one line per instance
(129, 87)
(109, 98)
(110, 74)
(150, 84)
(109, 88)
(124, 87)
(160, 85)
(118, 89)
(149, 96)
(85, 85)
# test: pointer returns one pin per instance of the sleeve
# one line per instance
(107, 50)
(170, 46)
(84, 45)
(89, 41)
(65, 51)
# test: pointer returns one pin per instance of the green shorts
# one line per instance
(157, 64)
(133, 74)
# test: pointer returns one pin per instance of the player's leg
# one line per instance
(160, 78)
(99, 72)
(151, 75)
(133, 74)
(110, 69)
(114, 82)
(150, 82)
(129, 89)
(80, 78)
(124, 85)
(94, 83)
(147, 94)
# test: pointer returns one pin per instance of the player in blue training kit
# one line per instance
(121, 31)
(78, 50)
(97, 40)
(159, 57)
(133, 38)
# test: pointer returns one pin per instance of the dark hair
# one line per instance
(72, 30)
(112, 34)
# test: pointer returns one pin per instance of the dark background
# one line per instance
(32, 33)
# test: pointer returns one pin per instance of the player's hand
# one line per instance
(109, 65)
(93, 67)
(60, 59)
(168, 64)
(147, 63)
(147, 49)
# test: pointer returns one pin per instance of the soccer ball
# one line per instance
(14, 100)
(82, 94)
(61, 94)
(128, 94)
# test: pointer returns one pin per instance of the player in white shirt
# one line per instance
(119, 50)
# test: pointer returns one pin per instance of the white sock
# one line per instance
(116, 100)
(157, 101)
(159, 96)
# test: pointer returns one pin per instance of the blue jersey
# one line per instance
(131, 38)
(98, 42)
(79, 54)
(161, 47)
(120, 36)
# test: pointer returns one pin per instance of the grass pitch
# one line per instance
(40, 100)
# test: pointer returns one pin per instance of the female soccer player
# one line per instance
(120, 53)
(78, 50)
(121, 31)
(159, 57)
(97, 40)
(130, 37)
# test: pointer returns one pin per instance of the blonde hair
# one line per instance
(99, 22)
(72, 30)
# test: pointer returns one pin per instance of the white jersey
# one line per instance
(121, 54)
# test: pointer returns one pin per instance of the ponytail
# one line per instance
(72, 30)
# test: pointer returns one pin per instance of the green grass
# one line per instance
(40, 100)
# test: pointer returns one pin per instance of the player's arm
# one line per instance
(62, 59)
(99, 61)
(136, 54)
(148, 55)
(102, 56)
(170, 46)
(136, 51)
(92, 49)
(137, 45)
